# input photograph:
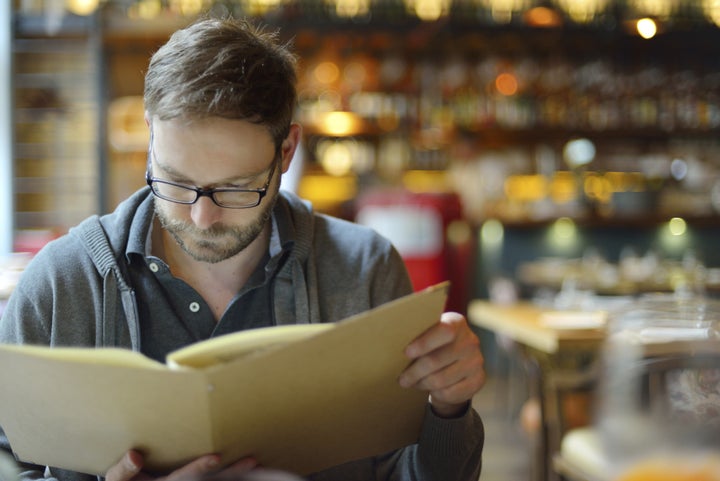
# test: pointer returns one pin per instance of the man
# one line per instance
(213, 246)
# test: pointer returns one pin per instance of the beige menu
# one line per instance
(300, 398)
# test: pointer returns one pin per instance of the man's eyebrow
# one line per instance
(180, 177)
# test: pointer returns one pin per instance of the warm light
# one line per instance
(187, 8)
(261, 7)
(323, 190)
(674, 236)
(426, 180)
(506, 84)
(647, 28)
(563, 187)
(583, 11)
(656, 8)
(336, 159)
(145, 9)
(542, 17)
(699, 466)
(564, 228)
(677, 226)
(598, 187)
(354, 74)
(350, 8)
(326, 72)
(492, 232)
(458, 233)
(712, 10)
(502, 10)
(340, 124)
(428, 10)
(626, 181)
(82, 7)
(127, 130)
(563, 235)
(526, 188)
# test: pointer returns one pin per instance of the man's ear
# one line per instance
(290, 145)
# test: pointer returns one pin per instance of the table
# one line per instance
(562, 358)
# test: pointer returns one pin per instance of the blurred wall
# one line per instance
(6, 197)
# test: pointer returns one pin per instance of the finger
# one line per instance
(464, 349)
(458, 385)
(241, 466)
(454, 367)
(202, 465)
(236, 470)
(127, 468)
(425, 366)
(438, 335)
(443, 377)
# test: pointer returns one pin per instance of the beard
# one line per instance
(220, 241)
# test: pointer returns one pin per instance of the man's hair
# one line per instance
(226, 68)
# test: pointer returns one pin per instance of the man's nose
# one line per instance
(204, 213)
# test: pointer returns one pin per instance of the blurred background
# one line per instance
(515, 147)
(565, 152)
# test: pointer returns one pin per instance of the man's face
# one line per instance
(214, 153)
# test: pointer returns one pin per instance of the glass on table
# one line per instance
(659, 395)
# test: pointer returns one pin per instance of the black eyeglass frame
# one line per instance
(200, 192)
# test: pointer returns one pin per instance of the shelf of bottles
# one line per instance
(497, 111)
(488, 98)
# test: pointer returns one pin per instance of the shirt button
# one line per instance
(194, 307)
(154, 267)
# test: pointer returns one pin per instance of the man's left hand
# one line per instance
(446, 360)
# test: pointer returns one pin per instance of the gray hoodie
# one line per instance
(75, 292)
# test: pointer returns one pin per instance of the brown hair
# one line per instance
(224, 68)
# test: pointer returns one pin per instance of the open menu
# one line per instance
(300, 398)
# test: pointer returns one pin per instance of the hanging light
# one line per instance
(82, 7)
(646, 27)
(349, 8)
(543, 17)
(261, 7)
(655, 8)
(711, 8)
(428, 10)
(583, 11)
(502, 11)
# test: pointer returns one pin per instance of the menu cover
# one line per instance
(300, 398)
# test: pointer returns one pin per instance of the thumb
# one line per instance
(125, 469)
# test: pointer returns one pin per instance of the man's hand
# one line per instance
(129, 468)
(447, 362)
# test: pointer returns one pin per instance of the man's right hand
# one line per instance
(129, 468)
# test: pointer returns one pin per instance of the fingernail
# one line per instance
(130, 462)
(213, 462)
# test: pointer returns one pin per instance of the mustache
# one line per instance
(215, 230)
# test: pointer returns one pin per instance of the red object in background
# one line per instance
(429, 233)
(31, 241)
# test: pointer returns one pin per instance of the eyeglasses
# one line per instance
(230, 198)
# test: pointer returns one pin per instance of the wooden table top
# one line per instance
(544, 329)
